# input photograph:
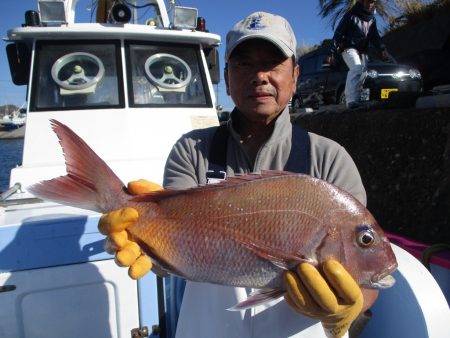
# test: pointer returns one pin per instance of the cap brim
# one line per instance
(281, 46)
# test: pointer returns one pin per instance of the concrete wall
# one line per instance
(404, 159)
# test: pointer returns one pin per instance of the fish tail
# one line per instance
(89, 183)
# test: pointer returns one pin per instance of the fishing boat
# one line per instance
(129, 89)
(13, 120)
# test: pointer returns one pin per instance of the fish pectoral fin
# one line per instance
(278, 258)
(258, 297)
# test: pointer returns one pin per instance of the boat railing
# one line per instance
(16, 188)
(12, 190)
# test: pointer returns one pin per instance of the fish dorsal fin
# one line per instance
(231, 181)
(264, 174)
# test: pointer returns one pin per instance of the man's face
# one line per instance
(369, 4)
(260, 80)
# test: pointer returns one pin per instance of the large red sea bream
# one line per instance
(243, 232)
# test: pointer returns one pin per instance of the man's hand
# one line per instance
(310, 294)
(118, 243)
(330, 59)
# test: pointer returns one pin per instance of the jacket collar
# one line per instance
(282, 126)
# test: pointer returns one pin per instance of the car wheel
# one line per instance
(341, 97)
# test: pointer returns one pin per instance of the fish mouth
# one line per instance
(383, 283)
(384, 280)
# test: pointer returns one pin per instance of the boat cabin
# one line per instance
(130, 90)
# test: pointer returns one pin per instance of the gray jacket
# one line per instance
(188, 161)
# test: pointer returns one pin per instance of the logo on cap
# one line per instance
(257, 22)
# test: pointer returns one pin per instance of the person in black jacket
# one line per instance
(351, 39)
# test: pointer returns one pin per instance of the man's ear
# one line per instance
(295, 75)
(296, 71)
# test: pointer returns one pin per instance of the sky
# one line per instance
(220, 16)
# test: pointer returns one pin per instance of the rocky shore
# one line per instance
(9, 134)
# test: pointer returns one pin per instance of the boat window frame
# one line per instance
(36, 73)
(195, 47)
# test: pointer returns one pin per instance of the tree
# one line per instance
(335, 9)
(393, 12)
(388, 10)
(415, 11)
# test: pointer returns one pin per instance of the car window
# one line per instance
(320, 60)
(309, 65)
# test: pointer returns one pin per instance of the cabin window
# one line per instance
(166, 75)
(77, 75)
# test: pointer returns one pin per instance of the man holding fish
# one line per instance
(260, 74)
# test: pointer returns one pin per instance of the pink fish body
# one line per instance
(243, 232)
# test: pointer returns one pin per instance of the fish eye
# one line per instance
(365, 238)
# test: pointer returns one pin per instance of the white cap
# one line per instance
(261, 25)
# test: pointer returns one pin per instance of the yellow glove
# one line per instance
(310, 294)
(118, 243)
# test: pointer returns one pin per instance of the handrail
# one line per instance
(12, 190)
(19, 201)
